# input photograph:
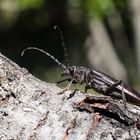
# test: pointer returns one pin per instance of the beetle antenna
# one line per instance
(63, 45)
(46, 53)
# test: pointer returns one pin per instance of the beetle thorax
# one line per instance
(79, 74)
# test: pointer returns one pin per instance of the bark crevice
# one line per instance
(32, 109)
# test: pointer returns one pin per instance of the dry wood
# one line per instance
(31, 109)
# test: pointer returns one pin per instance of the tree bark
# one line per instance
(31, 109)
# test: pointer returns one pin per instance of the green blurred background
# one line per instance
(100, 34)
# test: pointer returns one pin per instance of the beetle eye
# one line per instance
(65, 72)
(71, 69)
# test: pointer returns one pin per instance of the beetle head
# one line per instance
(68, 71)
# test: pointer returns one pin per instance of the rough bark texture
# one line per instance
(39, 113)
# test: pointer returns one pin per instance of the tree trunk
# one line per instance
(101, 53)
(31, 109)
(135, 10)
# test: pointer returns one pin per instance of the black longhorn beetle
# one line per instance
(93, 79)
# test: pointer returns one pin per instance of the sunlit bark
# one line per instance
(31, 109)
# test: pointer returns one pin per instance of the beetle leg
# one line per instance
(67, 79)
(112, 87)
(123, 97)
(66, 88)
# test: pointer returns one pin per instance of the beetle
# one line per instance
(93, 79)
